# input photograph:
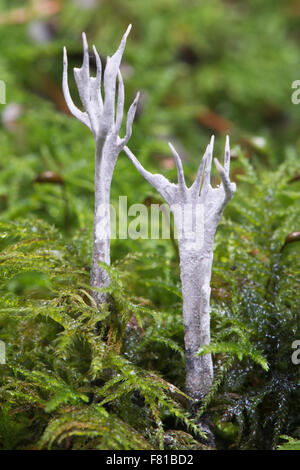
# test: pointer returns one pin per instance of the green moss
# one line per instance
(73, 372)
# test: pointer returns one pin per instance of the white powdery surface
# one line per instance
(205, 205)
(104, 119)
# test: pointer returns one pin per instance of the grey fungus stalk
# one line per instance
(197, 211)
(103, 116)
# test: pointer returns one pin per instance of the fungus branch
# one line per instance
(104, 118)
(197, 211)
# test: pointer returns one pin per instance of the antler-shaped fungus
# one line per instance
(104, 118)
(197, 211)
